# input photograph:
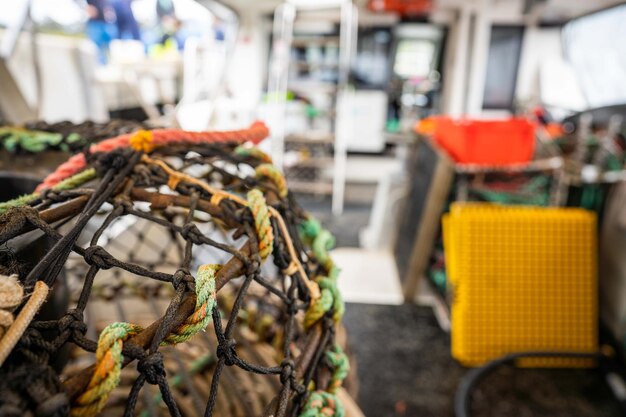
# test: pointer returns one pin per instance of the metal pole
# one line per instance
(347, 49)
(284, 17)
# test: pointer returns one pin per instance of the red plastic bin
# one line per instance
(486, 142)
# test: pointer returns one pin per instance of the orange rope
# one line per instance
(160, 137)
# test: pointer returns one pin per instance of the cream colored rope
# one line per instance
(23, 319)
(11, 294)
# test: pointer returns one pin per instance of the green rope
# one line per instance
(341, 366)
(14, 138)
(330, 298)
(321, 241)
(318, 307)
(76, 180)
(67, 184)
(323, 404)
(530, 194)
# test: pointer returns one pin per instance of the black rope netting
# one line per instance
(162, 246)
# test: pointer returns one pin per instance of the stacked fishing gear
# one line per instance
(167, 272)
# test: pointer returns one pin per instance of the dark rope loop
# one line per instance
(98, 256)
(226, 350)
(190, 232)
(151, 366)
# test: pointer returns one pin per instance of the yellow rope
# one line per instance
(272, 173)
(142, 140)
(262, 223)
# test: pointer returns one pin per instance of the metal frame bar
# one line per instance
(13, 105)
(284, 18)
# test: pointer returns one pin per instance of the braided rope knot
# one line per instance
(115, 160)
(322, 404)
(321, 241)
(338, 360)
(107, 371)
(272, 173)
(142, 140)
(206, 300)
(262, 223)
(182, 276)
(330, 299)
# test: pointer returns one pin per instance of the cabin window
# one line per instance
(503, 60)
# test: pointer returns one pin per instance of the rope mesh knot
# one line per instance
(226, 350)
(151, 366)
(98, 256)
(109, 352)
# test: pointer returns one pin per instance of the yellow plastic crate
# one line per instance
(524, 279)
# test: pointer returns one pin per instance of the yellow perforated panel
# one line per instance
(523, 279)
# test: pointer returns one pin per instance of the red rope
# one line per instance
(160, 137)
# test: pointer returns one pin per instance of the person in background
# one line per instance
(165, 8)
(100, 28)
(169, 27)
(127, 27)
